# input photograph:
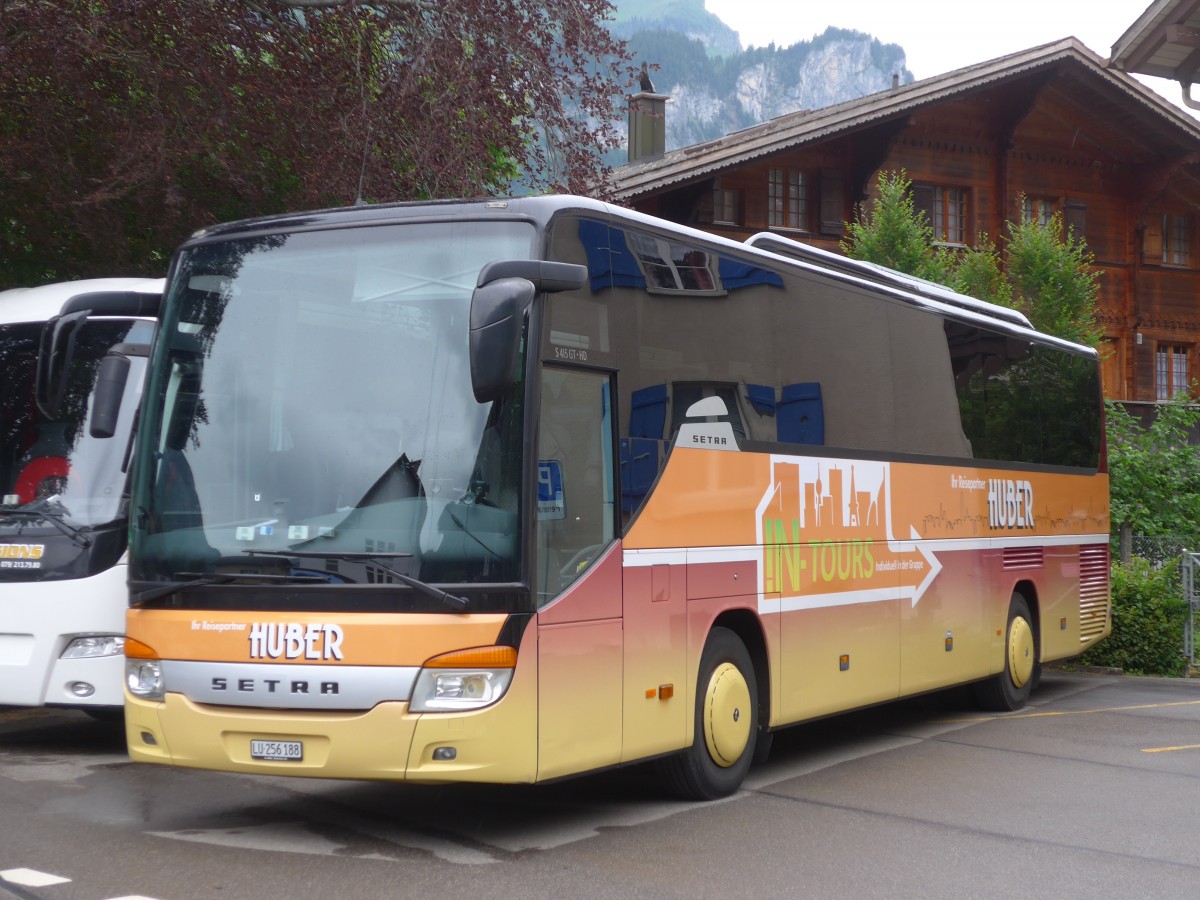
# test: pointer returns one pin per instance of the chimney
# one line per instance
(895, 80)
(647, 121)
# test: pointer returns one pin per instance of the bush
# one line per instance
(1149, 615)
(1154, 472)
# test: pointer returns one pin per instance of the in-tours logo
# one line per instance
(825, 526)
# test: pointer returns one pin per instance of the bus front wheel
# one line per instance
(1010, 689)
(726, 723)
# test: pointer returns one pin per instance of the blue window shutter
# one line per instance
(648, 414)
(762, 398)
(801, 418)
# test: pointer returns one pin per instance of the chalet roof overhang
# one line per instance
(1164, 42)
(1162, 129)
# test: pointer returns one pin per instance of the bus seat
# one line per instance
(36, 478)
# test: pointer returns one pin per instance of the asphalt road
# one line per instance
(1092, 791)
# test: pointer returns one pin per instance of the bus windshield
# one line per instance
(311, 408)
(51, 469)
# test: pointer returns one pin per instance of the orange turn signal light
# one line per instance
(476, 658)
(138, 650)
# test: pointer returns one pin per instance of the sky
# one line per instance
(938, 35)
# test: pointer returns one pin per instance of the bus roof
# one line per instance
(37, 304)
(541, 209)
(883, 275)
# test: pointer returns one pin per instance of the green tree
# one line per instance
(892, 232)
(1154, 472)
(127, 124)
(1050, 279)
(1054, 280)
(977, 273)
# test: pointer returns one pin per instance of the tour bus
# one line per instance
(514, 490)
(63, 486)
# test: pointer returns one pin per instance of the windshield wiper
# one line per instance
(55, 518)
(453, 601)
(197, 579)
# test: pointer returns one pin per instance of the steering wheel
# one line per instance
(580, 561)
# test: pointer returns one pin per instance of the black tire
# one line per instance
(1010, 689)
(1036, 678)
(726, 723)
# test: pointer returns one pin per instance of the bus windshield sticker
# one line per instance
(550, 502)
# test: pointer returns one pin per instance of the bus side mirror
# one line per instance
(503, 294)
(110, 390)
(497, 317)
(56, 352)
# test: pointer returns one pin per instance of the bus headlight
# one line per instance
(143, 671)
(464, 680)
(92, 646)
(144, 679)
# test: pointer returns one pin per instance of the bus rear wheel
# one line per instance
(726, 723)
(1010, 689)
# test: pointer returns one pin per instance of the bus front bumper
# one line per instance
(496, 744)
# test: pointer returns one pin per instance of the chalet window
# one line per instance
(787, 199)
(833, 203)
(1177, 239)
(950, 215)
(1171, 370)
(727, 206)
(1042, 209)
(1037, 209)
(946, 210)
(1075, 219)
(672, 268)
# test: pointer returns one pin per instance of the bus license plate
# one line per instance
(277, 751)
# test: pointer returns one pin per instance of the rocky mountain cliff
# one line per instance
(717, 87)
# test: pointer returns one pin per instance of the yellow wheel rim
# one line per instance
(1020, 652)
(727, 715)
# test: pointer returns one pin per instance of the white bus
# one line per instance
(63, 486)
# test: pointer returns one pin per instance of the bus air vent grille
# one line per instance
(1093, 591)
(1024, 557)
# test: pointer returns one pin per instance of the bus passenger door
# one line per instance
(656, 691)
(578, 577)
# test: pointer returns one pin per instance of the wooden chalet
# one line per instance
(1052, 128)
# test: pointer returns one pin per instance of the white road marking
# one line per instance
(31, 878)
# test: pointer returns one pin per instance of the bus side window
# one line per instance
(575, 514)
